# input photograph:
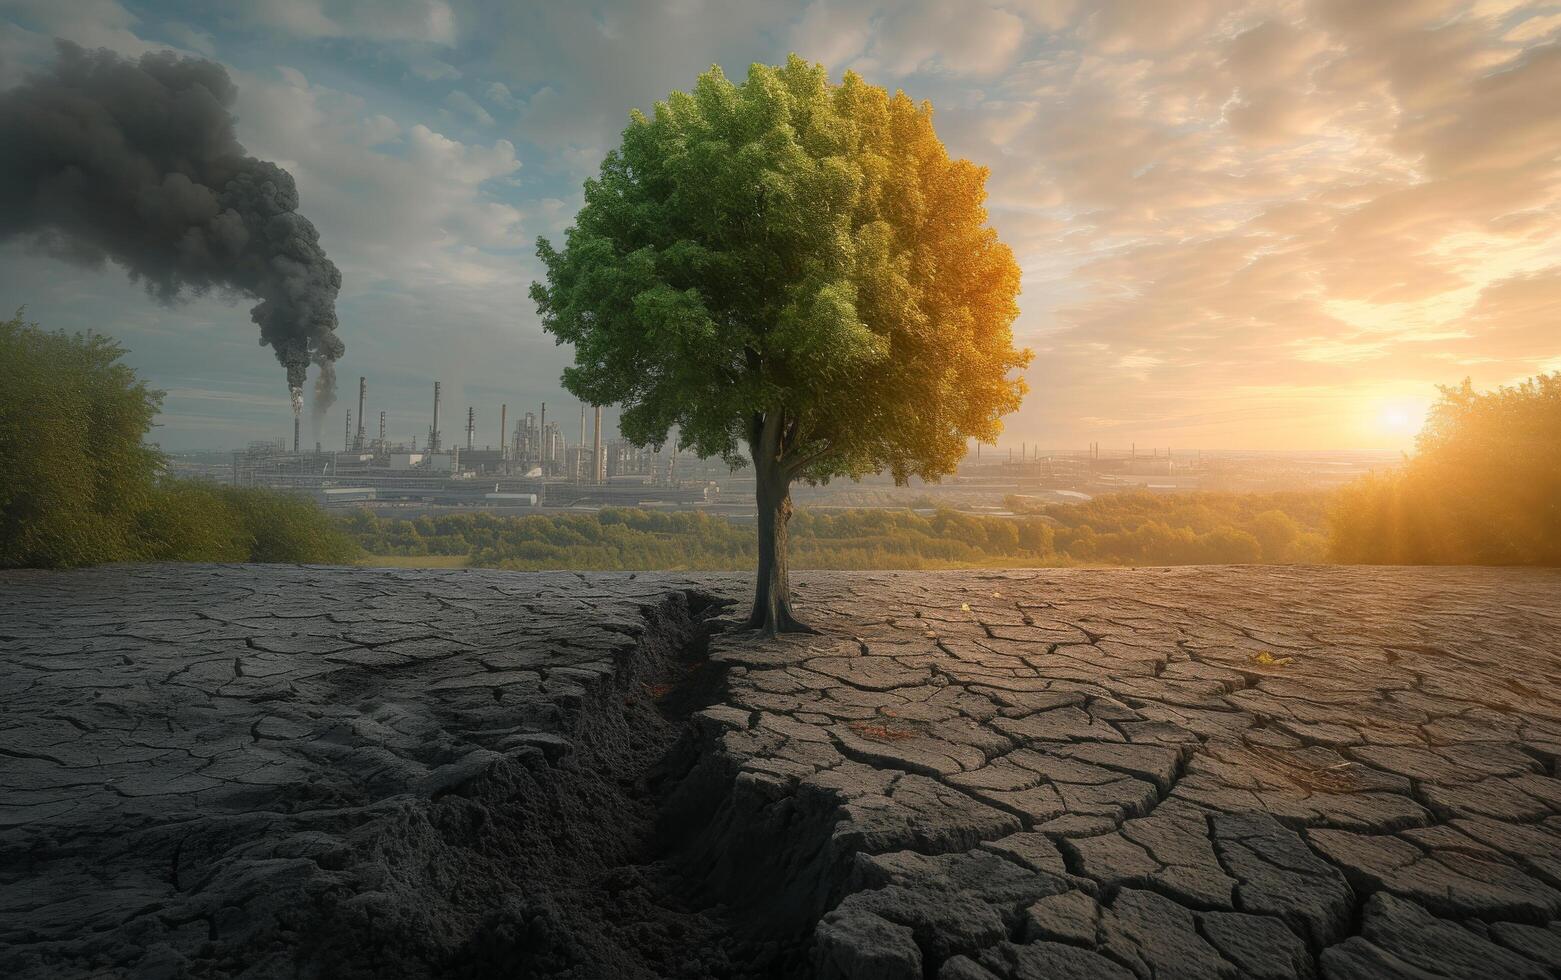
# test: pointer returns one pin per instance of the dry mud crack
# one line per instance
(1210, 772)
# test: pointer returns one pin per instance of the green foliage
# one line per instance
(187, 520)
(794, 265)
(73, 469)
(1129, 529)
(78, 486)
(1190, 528)
(283, 527)
(190, 521)
(1483, 488)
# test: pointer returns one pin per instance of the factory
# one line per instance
(533, 464)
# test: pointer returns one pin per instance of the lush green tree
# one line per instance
(795, 268)
(73, 469)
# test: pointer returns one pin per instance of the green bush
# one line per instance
(78, 485)
(188, 521)
(74, 472)
(282, 527)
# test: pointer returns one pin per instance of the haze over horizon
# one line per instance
(1266, 225)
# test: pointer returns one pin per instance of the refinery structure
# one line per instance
(542, 459)
(534, 463)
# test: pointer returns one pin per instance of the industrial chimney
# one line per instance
(503, 429)
(598, 461)
(542, 440)
(433, 433)
(363, 389)
(295, 434)
(471, 425)
(346, 433)
(381, 431)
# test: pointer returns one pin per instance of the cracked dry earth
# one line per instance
(1200, 772)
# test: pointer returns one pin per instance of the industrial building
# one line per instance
(532, 466)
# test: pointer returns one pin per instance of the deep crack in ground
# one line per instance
(1286, 772)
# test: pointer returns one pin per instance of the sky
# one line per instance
(1259, 225)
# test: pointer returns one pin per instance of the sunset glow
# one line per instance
(1240, 224)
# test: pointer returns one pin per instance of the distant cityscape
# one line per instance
(541, 460)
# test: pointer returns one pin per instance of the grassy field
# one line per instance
(415, 561)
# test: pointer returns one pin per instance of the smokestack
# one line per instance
(363, 389)
(471, 425)
(542, 440)
(582, 475)
(433, 433)
(381, 431)
(598, 461)
(296, 421)
(346, 433)
(503, 429)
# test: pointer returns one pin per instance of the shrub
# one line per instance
(78, 485)
(74, 472)
(282, 527)
(189, 521)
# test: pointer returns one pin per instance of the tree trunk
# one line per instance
(772, 593)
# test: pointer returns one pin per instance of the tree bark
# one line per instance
(772, 590)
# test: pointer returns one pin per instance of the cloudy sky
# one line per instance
(1270, 225)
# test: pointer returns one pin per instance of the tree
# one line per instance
(796, 268)
(73, 469)
(78, 485)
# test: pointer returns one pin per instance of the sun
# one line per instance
(1397, 419)
(1401, 419)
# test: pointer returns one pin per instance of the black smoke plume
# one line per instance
(136, 162)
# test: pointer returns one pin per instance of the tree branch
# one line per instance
(796, 466)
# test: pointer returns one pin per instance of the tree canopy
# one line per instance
(793, 247)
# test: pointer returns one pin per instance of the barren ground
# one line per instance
(260, 771)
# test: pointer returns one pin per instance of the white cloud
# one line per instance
(394, 205)
(192, 38)
(468, 108)
(499, 95)
(428, 21)
(90, 23)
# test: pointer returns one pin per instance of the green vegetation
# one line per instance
(1483, 488)
(796, 269)
(73, 470)
(78, 485)
(1190, 528)
(1140, 529)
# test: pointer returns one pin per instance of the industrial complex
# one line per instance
(541, 459)
(533, 464)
